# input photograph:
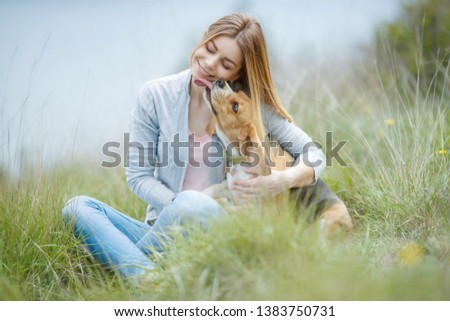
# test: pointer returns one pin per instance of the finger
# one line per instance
(240, 188)
(245, 184)
(252, 182)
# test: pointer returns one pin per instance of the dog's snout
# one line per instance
(221, 83)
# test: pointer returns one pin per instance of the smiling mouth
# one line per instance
(204, 71)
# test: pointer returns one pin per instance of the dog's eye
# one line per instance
(235, 107)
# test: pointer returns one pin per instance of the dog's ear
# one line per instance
(243, 135)
(244, 141)
(250, 136)
(250, 146)
(254, 135)
(211, 128)
(258, 149)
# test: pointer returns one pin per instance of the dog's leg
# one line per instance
(336, 219)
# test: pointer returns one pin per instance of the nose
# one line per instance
(221, 83)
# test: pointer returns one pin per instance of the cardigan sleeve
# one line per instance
(294, 140)
(142, 153)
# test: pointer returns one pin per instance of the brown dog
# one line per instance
(234, 124)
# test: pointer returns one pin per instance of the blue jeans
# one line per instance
(123, 243)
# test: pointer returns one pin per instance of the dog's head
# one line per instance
(232, 109)
(234, 116)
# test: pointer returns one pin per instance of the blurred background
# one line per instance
(374, 74)
(70, 70)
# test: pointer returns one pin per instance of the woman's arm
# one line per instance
(309, 160)
(142, 154)
(298, 144)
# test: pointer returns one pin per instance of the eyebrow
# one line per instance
(225, 58)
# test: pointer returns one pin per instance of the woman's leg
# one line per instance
(109, 235)
(187, 209)
(324, 204)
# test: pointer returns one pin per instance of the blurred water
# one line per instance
(70, 70)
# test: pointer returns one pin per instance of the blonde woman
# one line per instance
(174, 165)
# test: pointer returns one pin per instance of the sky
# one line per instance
(70, 70)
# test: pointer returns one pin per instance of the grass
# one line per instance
(395, 185)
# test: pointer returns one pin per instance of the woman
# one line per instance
(167, 166)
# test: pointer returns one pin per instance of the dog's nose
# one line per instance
(221, 83)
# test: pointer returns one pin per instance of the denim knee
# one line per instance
(72, 207)
(195, 203)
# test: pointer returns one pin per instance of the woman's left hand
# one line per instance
(261, 186)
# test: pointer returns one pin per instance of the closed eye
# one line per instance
(235, 107)
(208, 48)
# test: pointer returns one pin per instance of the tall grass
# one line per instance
(395, 184)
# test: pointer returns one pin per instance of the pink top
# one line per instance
(197, 172)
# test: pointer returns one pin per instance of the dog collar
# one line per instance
(235, 160)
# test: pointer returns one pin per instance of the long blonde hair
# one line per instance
(255, 73)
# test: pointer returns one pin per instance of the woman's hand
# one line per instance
(222, 195)
(261, 186)
(275, 183)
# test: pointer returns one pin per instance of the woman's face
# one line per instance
(221, 57)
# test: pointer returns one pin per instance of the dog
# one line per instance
(234, 123)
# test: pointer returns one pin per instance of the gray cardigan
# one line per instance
(158, 152)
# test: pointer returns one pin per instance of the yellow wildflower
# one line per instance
(443, 152)
(389, 121)
(411, 254)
